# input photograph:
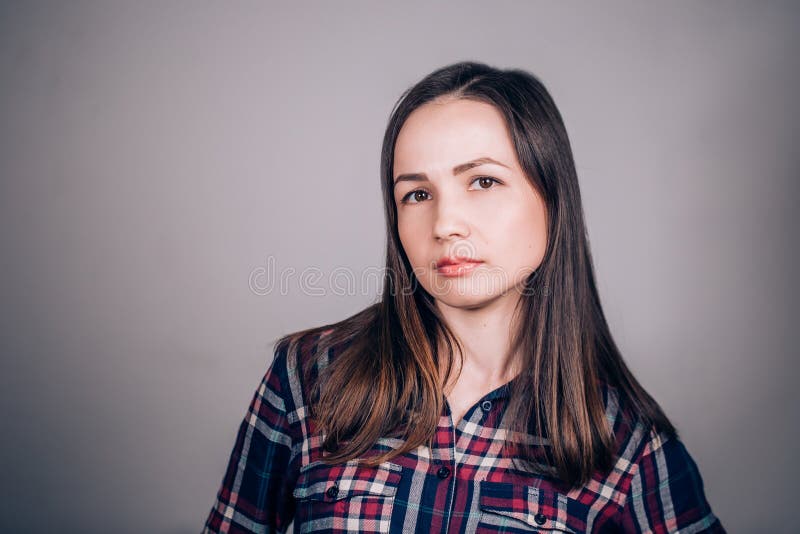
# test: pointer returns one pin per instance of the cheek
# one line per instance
(537, 239)
(411, 239)
(526, 232)
(537, 225)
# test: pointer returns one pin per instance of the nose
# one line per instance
(450, 222)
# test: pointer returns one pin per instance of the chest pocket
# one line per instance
(507, 507)
(346, 497)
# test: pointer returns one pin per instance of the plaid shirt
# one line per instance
(460, 484)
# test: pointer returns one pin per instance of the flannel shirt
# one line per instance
(461, 484)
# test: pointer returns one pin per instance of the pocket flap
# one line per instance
(539, 508)
(329, 483)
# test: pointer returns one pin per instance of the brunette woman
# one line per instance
(483, 392)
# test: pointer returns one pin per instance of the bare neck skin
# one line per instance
(485, 334)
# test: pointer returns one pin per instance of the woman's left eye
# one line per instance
(485, 182)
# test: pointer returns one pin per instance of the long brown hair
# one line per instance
(387, 380)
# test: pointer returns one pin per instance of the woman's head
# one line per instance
(460, 192)
(526, 228)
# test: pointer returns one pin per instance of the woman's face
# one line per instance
(460, 193)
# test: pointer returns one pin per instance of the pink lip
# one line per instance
(456, 266)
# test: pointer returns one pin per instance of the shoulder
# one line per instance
(635, 439)
(660, 487)
(300, 357)
(638, 439)
(314, 347)
(632, 433)
(629, 432)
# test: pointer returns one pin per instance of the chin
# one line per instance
(464, 301)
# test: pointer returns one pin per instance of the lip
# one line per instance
(448, 266)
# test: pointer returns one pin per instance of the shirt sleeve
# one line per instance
(256, 491)
(666, 493)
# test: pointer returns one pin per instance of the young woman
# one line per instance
(484, 391)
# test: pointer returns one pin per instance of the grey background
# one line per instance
(154, 156)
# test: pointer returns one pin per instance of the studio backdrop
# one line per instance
(181, 183)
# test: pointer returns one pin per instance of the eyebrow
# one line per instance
(458, 169)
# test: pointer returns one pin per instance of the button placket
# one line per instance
(445, 441)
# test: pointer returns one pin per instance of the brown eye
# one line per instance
(414, 197)
(486, 182)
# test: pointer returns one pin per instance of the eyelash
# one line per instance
(405, 199)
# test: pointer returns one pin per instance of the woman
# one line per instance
(483, 392)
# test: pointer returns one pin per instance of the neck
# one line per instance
(485, 334)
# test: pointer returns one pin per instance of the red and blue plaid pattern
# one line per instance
(461, 483)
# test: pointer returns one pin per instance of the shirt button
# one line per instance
(540, 519)
(332, 492)
(443, 472)
(486, 405)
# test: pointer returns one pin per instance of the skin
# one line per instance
(501, 222)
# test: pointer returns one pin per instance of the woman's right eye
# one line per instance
(413, 197)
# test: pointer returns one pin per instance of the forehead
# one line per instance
(437, 136)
